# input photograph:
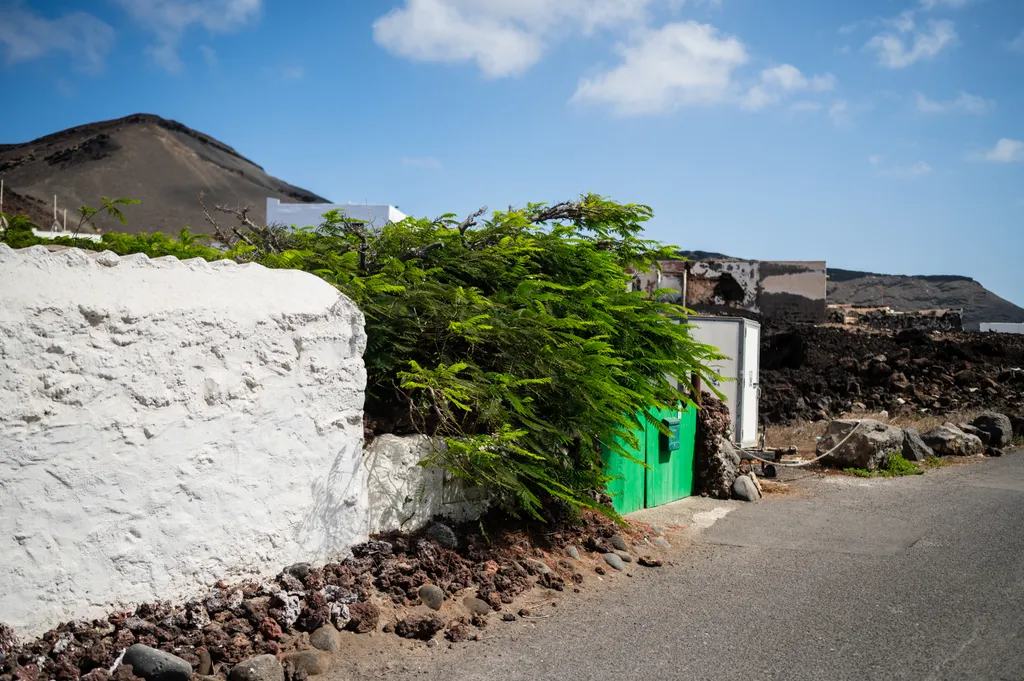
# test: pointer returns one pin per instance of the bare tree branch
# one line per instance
(567, 210)
(471, 220)
(224, 237)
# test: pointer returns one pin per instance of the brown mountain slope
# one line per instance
(908, 293)
(162, 163)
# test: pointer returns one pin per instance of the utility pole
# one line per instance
(56, 224)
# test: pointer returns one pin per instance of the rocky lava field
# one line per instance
(816, 372)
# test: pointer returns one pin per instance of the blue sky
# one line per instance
(885, 135)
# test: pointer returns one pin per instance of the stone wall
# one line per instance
(165, 424)
(887, 319)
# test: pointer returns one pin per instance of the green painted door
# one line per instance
(669, 476)
(670, 473)
(628, 480)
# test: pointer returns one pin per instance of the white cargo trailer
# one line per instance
(740, 341)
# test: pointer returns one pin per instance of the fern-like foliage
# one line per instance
(517, 338)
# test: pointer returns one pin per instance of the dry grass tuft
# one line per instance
(777, 489)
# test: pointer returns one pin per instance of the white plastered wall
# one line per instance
(403, 495)
(165, 424)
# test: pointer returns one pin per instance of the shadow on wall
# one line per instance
(337, 498)
(404, 495)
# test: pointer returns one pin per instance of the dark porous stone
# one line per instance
(443, 535)
(422, 627)
(365, 617)
(299, 570)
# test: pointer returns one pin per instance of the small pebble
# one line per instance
(614, 561)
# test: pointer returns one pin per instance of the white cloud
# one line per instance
(876, 159)
(292, 72)
(1017, 44)
(679, 65)
(209, 56)
(839, 113)
(26, 35)
(170, 19)
(779, 81)
(806, 105)
(895, 52)
(1005, 151)
(919, 169)
(425, 162)
(964, 103)
(949, 4)
(903, 22)
(503, 37)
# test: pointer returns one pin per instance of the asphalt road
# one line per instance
(914, 578)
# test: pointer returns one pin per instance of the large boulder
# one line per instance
(715, 461)
(1018, 425)
(985, 438)
(998, 426)
(869, 447)
(745, 489)
(914, 448)
(948, 440)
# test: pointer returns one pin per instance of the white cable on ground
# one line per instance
(807, 463)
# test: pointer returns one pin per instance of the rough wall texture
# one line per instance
(406, 496)
(164, 424)
(780, 291)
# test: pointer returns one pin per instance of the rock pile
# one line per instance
(816, 372)
(868, 444)
(271, 626)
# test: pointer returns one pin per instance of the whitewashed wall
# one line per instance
(403, 495)
(164, 424)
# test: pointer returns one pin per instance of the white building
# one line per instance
(55, 234)
(311, 214)
(996, 327)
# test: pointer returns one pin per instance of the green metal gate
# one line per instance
(669, 473)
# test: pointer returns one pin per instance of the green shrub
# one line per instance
(517, 338)
(895, 466)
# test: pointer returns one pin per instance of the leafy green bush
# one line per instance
(895, 466)
(517, 338)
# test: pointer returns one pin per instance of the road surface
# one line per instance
(912, 578)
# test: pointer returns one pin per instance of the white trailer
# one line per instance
(740, 341)
(997, 327)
